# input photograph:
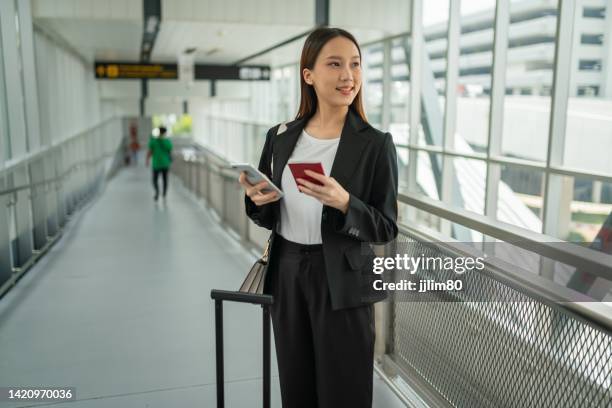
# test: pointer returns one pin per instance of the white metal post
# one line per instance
(496, 112)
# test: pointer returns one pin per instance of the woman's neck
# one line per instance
(327, 122)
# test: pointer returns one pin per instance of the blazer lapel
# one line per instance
(283, 147)
(349, 150)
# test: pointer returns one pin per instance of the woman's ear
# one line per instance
(307, 74)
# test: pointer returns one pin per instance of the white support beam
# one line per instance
(553, 186)
(416, 49)
(12, 79)
(496, 113)
(606, 86)
(28, 65)
(450, 110)
(5, 146)
(452, 74)
(386, 84)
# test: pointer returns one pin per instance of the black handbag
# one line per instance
(255, 279)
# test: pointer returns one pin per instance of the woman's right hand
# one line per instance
(254, 191)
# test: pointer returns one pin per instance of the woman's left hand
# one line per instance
(331, 193)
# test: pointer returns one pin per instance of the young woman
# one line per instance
(319, 275)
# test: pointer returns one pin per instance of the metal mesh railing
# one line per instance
(501, 347)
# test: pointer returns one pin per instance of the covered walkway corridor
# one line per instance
(500, 121)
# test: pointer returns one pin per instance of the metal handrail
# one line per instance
(515, 277)
(30, 157)
(598, 263)
(56, 179)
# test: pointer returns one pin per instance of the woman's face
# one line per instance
(336, 75)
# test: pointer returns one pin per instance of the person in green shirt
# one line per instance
(160, 149)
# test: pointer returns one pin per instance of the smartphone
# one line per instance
(254, 176)
(298, 171)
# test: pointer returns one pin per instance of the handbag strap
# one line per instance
(281, 128)
(266, 254)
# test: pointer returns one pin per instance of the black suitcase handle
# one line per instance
(265, 301)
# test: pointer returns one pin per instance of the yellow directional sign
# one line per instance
(120, 70)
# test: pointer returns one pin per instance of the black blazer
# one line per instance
(366, 166)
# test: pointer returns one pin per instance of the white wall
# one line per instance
(68, 95)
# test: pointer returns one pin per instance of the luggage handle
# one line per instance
(265, 301)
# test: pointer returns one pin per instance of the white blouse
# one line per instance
(301, 214)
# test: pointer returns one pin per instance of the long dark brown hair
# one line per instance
(312, 47)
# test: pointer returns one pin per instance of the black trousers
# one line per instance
(325, 357)
(164, 173)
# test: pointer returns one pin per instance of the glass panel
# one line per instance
(372, 83)
(402, 167)
(433, 84)
(288, 93)
(415, 218)
(468, 184)
(400, 90)
(586, 209)
(429, 174)
(435, 28)
(475, 66)
(520, 197)
(589, 112)
(529, 77)
(5, 141)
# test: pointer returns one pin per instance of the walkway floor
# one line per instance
(120, 308)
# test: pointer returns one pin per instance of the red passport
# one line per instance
(298, 171)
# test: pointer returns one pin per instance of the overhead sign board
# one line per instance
(127, 70)
(130, 70)
(233, 72)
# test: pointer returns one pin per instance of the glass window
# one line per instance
(520, 197)
(586, 205)
(589, 65)
(373, 83)
(433, 71)
(529, 78)
(594, 12)
(5, 141)
(596, 39)
(589, 115)
(587, 90)
(400, 90)
(474, 86)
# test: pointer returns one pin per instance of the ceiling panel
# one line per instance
(219, 43)
(222, 31)
(263, 12)
(90, 9)
(99, 39)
